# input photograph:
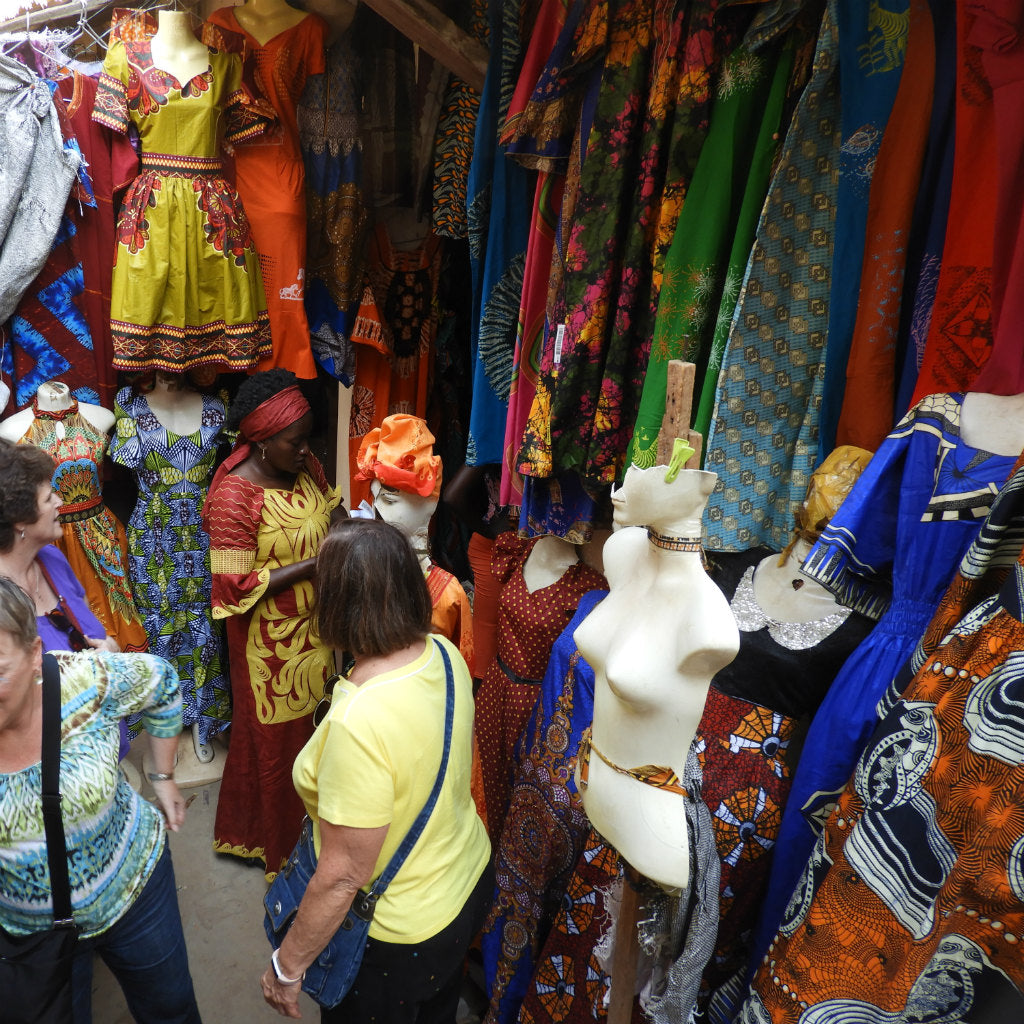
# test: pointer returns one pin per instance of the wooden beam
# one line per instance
(426, 26)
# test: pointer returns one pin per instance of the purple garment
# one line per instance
(65, 583)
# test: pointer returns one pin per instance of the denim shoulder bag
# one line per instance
(330, 976)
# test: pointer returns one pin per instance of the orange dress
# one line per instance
(94, 541)
(271, 180)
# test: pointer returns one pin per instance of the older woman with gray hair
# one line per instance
(123, 896)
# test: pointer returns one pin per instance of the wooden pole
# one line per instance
(625, 951)
(678, 402)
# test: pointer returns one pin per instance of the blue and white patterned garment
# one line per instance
(114, 837)
(169, 551)
(889, 552)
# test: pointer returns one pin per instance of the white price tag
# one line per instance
(559, 339)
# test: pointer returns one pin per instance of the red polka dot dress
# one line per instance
(528, 625)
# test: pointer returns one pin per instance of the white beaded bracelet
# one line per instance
(279, 974)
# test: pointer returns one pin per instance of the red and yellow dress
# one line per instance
(278, 667)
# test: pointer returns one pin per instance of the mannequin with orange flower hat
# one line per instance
(398, 458)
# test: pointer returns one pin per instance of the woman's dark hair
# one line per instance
(23, 469)
(255, 390)
(371, 598)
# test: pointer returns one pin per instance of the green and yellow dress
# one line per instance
(186, 289)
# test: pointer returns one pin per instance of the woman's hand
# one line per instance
(106, 643)
(283, 998)
(346, 862)
(171, 802)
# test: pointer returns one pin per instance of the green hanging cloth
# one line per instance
(713, 237)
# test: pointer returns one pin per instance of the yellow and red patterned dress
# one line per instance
(186, 288)
(94, 541)
(277, 665)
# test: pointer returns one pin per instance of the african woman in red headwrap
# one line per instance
(268, 510)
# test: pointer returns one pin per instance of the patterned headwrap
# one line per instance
(273, 415)
(266, 420)
(830, 483)
(400, 454)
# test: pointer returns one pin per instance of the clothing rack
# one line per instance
(78, 9)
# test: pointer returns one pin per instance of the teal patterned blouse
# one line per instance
(114, 837)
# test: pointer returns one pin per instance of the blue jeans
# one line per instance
(145, 950)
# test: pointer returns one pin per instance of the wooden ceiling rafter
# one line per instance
(436, 33)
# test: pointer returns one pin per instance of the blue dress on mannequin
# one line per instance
(889, 552)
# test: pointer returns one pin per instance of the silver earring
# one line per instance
(263, 456)
(22, 533)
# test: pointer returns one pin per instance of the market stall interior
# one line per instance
(740, 280)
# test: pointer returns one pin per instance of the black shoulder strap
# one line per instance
(56, 849)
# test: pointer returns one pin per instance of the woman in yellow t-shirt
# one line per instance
(365, 776)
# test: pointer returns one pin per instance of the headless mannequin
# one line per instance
(175, 404)
(53, 396)
(549, 560)
(264, 19)
(339, 15)
(993, 423)
(785, 595)
(180, 410)
(176, 49)
(654, 643)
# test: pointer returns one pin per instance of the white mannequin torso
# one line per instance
(993, 423)
(654, 643)
(53, 396)
(547, 563)
(175, 48)
(175, 405)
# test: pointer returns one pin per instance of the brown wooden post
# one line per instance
(678, 403)
(625, 951)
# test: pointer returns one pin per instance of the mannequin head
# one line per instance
(53, 395)
(647, 499)
(398, 458)
(830, 483)
(410, 512)
(168, 381)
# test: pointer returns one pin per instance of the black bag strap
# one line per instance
(403, 851)
(56, 848)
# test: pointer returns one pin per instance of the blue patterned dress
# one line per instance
(169, 551)
(889, 552)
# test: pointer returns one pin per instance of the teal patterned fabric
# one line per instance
(763, 439)
(114, 837)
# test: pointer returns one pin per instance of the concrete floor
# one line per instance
(221, 903)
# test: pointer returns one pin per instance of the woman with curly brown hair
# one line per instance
(29, 528)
